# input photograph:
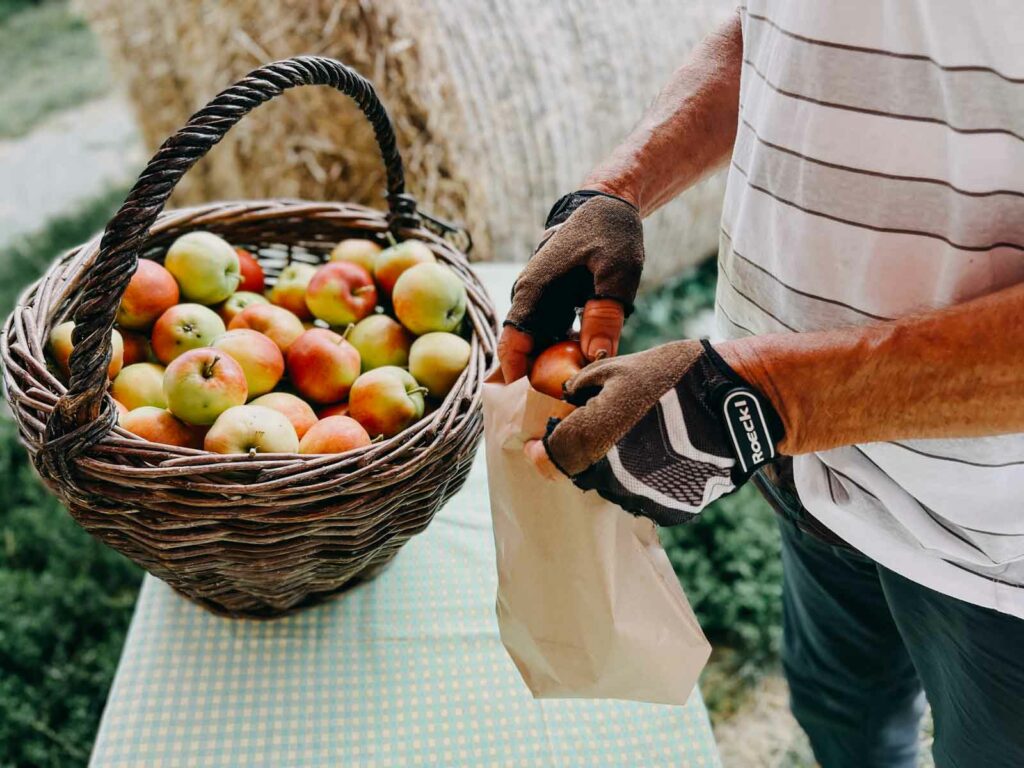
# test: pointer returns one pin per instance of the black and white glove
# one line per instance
(664, 432)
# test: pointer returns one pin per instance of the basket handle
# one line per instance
(75, 424)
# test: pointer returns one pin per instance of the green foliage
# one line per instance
(49, 60)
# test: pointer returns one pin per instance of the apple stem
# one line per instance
(348, 330)
(391, 237)
(377, 439)
(208, 368)
(419, 391)
(363, 289)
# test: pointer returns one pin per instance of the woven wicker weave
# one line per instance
(242, 535)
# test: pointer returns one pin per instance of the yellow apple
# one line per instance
(290, 289)
(386, 400)
(393, 261)
(251, 429)
(138, 385)
(380, 341)
(429, 297)
(236, 302)
(358, 251)
(206, 267)
(184, 327)
(437, 359)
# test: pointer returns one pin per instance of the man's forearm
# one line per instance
(955, 372)
(687, 133)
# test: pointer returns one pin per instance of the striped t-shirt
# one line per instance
(879, 171)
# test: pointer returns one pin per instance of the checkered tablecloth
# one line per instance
(406, 670)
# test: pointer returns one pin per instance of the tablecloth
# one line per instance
(405, 670)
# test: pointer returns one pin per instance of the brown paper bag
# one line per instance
(588, 605)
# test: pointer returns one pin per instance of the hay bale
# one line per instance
(500, 106)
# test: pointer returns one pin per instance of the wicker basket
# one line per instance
(244, 536)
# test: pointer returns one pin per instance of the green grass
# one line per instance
(49, 61)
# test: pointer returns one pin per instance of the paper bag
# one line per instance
(588, 605)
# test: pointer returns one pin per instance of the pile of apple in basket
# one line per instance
(204, 358)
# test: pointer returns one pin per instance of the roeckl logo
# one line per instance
(748, 429)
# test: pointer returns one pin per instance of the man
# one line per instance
(871, 376)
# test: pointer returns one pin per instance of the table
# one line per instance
(405, 670)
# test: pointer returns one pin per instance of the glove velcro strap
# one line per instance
(566, 205)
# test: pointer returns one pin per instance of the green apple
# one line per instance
(184, 327)
(236, 302)
(205, 266)
(386, 400)
(380, 341)
(251, 429)
(429, 297)
(203, 383)
(437, 359)
(139, 385)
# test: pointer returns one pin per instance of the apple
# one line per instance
(437, 359)
(206, 267)
(151, 292)
(184, 327)
(335, 434)
(122, 411)
(341, 293)
(555, 366)
(158, 425)
(386, 400)
(338, 409)
(322, 365)
(380, 341)
(253, 279)
(358, 251)
(393, 261)
(277, 323)
(140, 384)
(251, 429)
(429, 297)
(136, 347)
(236, 302)
(290, 289)
(293, 408)
(203, 383)
(61, 346)
(260, 358)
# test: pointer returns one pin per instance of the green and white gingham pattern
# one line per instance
(406, 670)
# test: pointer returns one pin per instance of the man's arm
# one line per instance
(954, 372)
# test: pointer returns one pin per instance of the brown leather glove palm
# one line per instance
(665, 432)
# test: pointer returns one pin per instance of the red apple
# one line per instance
(151, 292)
(203, 383)
(393, 261)
(335, 434)
(322, 365)
(253, 279)
(122, 410)
(555, 366)
(159, 425)
(236, 302)
(338, 409)
(290, 289)
(429, 297)
(184, 327)
(386, 400)
(341, 293)
(358, 251)
(251, 429)
(280, 325)
(293, 408)
(260, 358)
(136, 348)
(380, 341)
(60, 348)
(140, 384)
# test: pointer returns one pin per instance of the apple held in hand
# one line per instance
(206, 267)
(251, 429)
(335, 434)
(290, 289)
(253, 279)
(436, 361)
(393, 261)
(236, 302)
(429, 297)
(358, 251)
(260, 358)
(151, 292)
(380, 341)
(184, 327)
(322, 365)
(138, 385)
(341, 293)
(61, 346)
(386, 400)
(203, 383)
(555, 366)
(293, 408)
(158, 425)
(278, 324)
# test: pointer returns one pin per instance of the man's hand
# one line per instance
(661, 433)
(591, 256)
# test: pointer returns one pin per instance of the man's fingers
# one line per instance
(514, 348)
(601, 328)
(592, 377)
(536, 453)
